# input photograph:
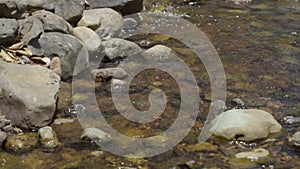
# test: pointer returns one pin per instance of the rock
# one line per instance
(107, 22)
(118, 48)
(47, 137)
(89, 38)
(63, 121)
(129, 23)
(291, 120)
(238, 101)
(245, 124)
(70, 10)
(68, 49)
(95, 134)
(3, 137)
(21, 142)
(16, 9)
(42, 4)
(295, 139)
(132, 6)
(30, 28)
(55, 65)
(106, 73)
(126, 6)
(11, 9)
(159, 53)
(64, 97)
(8, 31)
(28, 97)
(3, 121)
(253, 155)
(52, 22)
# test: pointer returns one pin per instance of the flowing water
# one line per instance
(259, 46)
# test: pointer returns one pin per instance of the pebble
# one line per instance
(94, 134)
(238, 101)
(63, 121)
(106, 73)
(47, 137)
(253, 155)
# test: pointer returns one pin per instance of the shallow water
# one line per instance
(259, 46)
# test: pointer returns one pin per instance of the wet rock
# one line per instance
(238, 101)
(21, 142)
(70, 10)
(159, 53)
(8, 30)
(253, 155)
(89, 38)
(30, 28)
(251, 159)
(47, 137)
(107, 22)
(245, 124)
(64, 97)
(295, 139)
(118, 48)
(291, 120)
(202, 146)
(28, 96)
(55, 65)
(126, 6)
(3, 137)
(107, 73)
(129, 23)
(52, 22)
(63, 121)
(68, 49)
(95, 134)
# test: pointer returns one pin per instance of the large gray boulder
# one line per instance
(70, 10)
(88, 37)
(68, 49)
(245, 124)
(30, 28)
(107, 22)
(8, 30)
(52, 22)
(126, 6)
(28, 94)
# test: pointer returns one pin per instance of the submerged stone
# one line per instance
(21, 142)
